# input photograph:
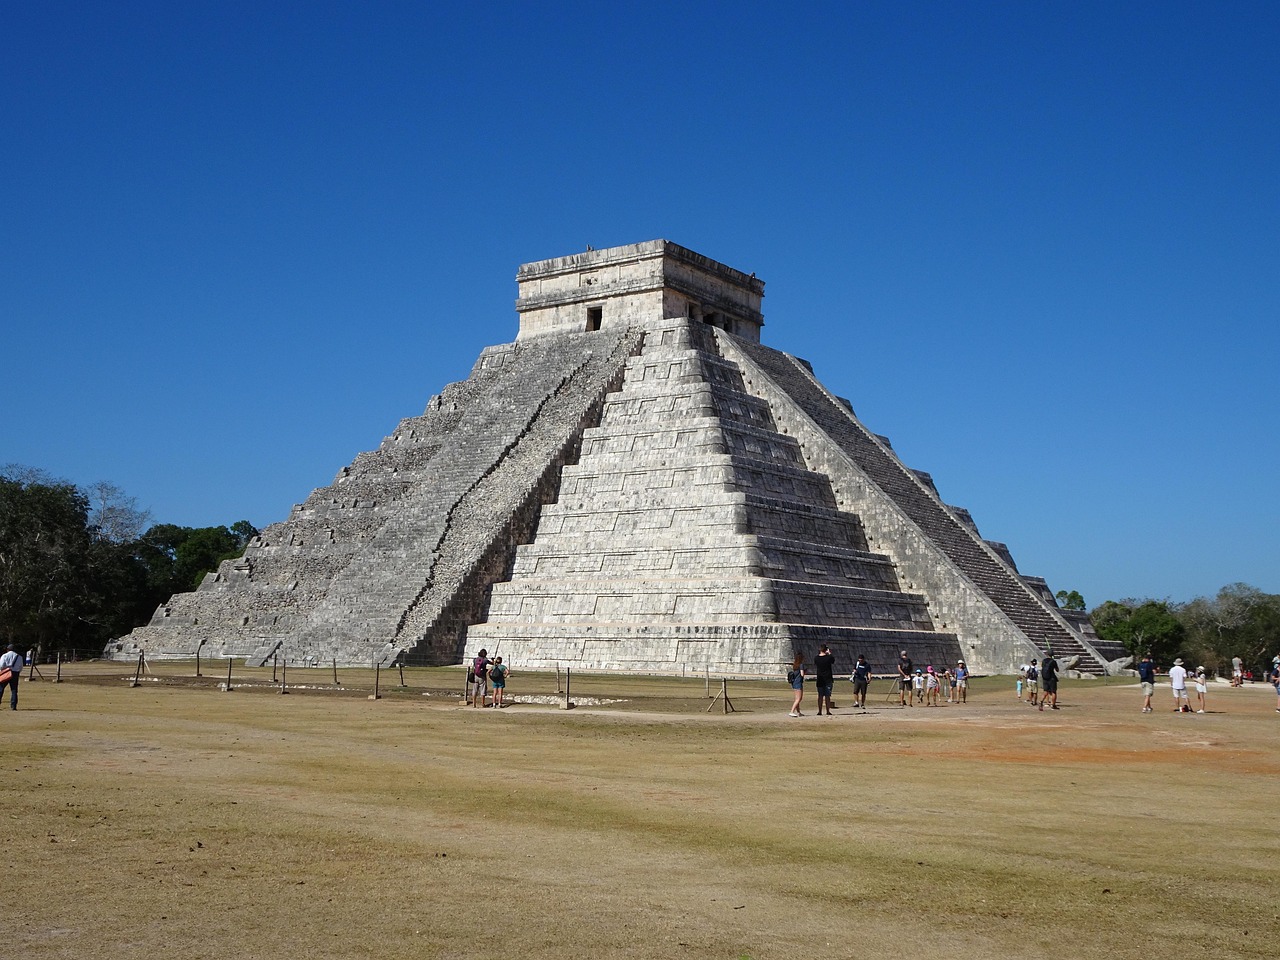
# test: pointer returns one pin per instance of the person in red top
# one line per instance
(480, 670)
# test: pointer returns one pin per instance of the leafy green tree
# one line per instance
(1070, 601)
(119, 598)
(75, 569)
(1142, 626)
(44, 561)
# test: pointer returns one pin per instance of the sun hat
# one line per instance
(1178, 662)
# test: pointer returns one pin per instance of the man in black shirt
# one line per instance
(1049, 681)
(824, 667)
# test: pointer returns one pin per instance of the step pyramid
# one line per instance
(691, 534)
(636, 483)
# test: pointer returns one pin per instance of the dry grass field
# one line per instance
(174, 820)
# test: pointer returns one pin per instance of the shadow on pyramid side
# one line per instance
(635, 483)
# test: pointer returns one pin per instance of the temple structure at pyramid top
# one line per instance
(634, 483)
(634, 285)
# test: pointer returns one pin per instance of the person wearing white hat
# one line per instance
(962, 682)
(1178, 680)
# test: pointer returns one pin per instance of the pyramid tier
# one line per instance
(744, 649)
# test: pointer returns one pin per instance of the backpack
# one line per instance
(791, 676)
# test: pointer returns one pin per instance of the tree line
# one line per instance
(1239, 621)
(80, 566)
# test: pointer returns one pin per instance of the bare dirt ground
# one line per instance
(177, 820)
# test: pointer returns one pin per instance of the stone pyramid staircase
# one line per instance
(690, 533)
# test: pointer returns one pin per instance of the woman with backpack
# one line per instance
(480, 679)
(498, 673)
(795, 677)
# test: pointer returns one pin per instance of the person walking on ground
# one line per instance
(11, 661)
(1237, 672)
(1274, 677)
(480, 677)
(1049, 681)
(1033, 678)
(904, 680)
(824, 665)
(795, 677)
(931, 687)
(1202, 689)
(861, 678)
(961, 682)
(1178, 680)
(498, 673)
(1147, 679)
(1022, 678)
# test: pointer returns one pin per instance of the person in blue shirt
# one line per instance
(961, 682)
(11, 661)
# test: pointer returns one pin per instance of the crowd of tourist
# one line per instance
(1036, 683)
(1180, 677)
(930, 686)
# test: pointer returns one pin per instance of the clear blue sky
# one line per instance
(1036, 244)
